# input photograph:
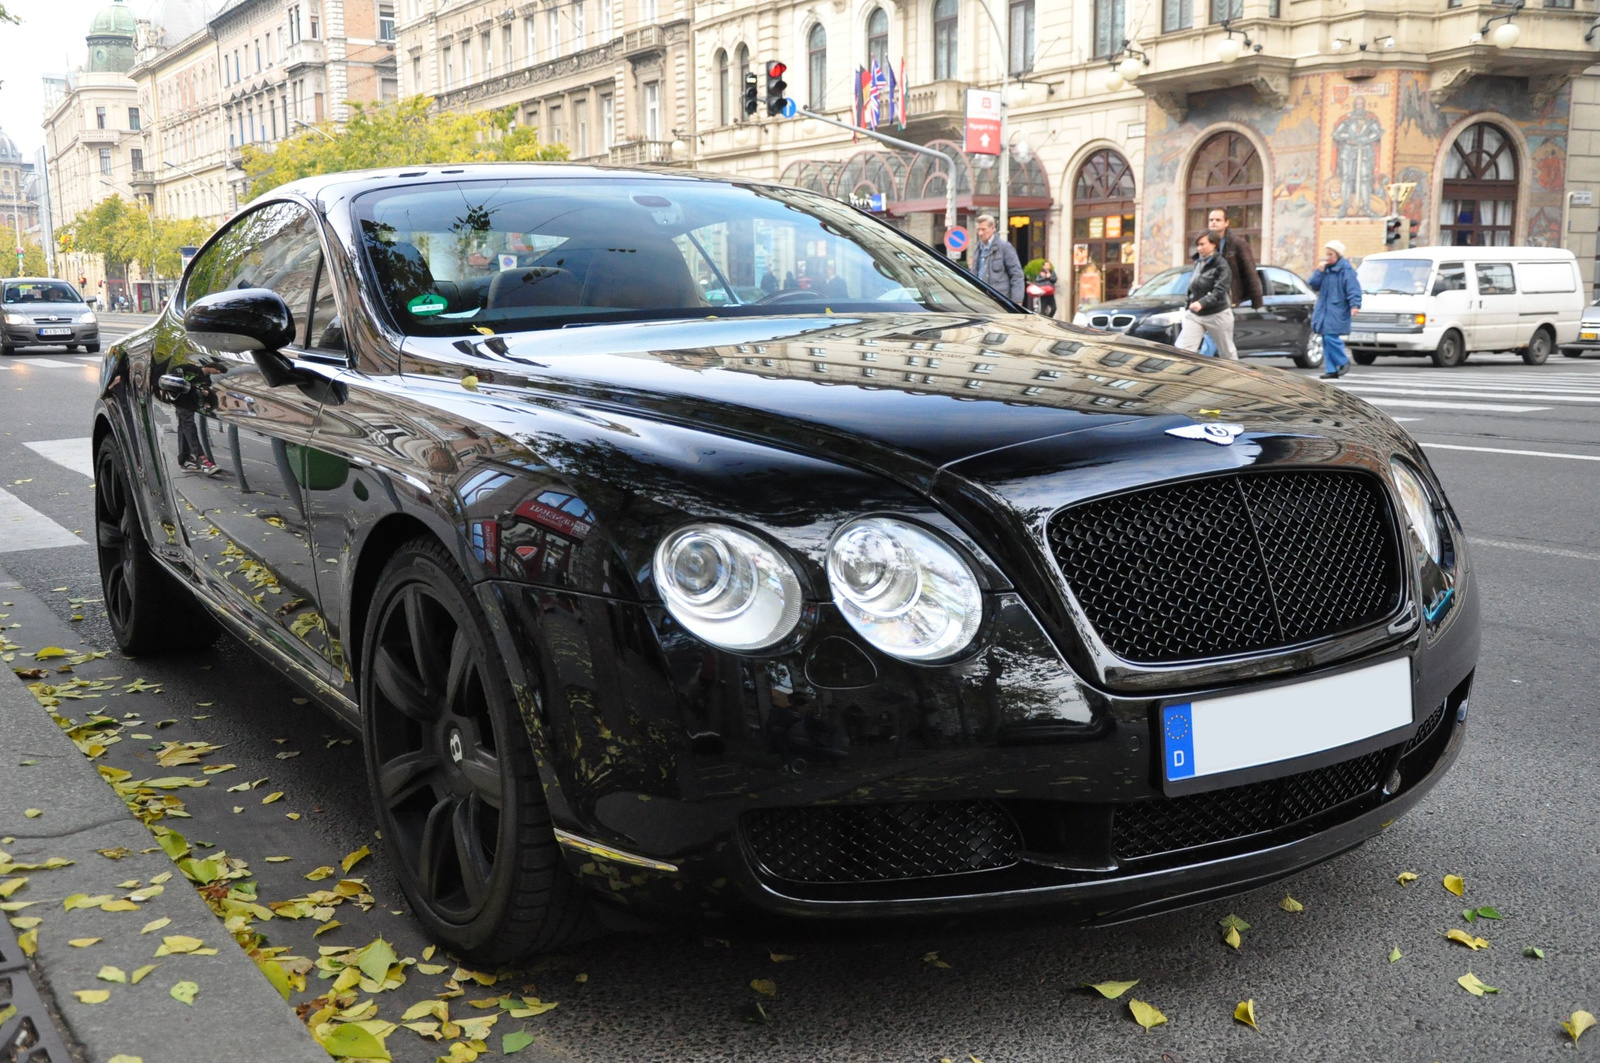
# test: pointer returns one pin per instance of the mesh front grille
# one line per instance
(881, 843)
(1230, 564)
(1150, 828)
(1429, 725)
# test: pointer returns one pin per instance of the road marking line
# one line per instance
(1524, 453)
(74, 454)
(1581, 555)
(24, 528)
(1482, 407)
(45, 363)
(1374, 392)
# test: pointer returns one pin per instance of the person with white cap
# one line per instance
(1338, 296)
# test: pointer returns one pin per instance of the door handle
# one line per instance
(173, 384)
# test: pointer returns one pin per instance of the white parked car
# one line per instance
(1450, 301)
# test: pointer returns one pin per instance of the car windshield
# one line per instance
(1394, 276)
(41, 292)
(458, 258)
(1174, 281)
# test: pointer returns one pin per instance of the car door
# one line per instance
(1286, 313)
(1497, 306)
(244, 519)
(1453, 302)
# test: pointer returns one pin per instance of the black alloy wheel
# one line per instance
(1451, 352)
(149, 611)
(1364, 357)
(451, 770)
(1539, 348)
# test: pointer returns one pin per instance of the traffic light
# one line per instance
(1391, 230)
(1414, 227)
(82, 281)
(775, 87)
(751, 92)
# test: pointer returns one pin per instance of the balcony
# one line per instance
(644, 41)
(936, 99)
(143, 182)
(100, 136)
(643, 153)
(304, 53)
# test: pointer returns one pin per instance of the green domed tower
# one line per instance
(111, 40)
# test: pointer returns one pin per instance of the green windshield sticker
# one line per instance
(427, 305)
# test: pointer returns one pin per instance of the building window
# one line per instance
(552, 31)
(652, 110)
(507, 47)
(135, 159)
(580, 127)
(1110, 26)
(99, 117)
(105, 160)
(1479, 201)
(313, 25)
(1229, 9)
(449, 67)
(133, 119)
(647, 9)
(1226, 174)
(533, 44)
(1103, 220)
(388, 89)
(385, 22)
(878, 38)
(1021, 36)
(294, 24)
(416, 76)
(580, 36)
(608, 123)
(607, 30)
(724, 77)
(487, 43)
(946, 27)
(558, 131)
(817, 66)
(1176, 15)
(466, 60)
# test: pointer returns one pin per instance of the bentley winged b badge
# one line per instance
(1222, 435)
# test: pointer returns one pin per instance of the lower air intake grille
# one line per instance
(881, 843)
(1150, 828)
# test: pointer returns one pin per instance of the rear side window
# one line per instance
(1495, 278)
(1535, 278)
(1452, 277)
(1282, 282)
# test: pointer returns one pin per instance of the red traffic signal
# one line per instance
(776, 87)
(82, 281)
(776, 69)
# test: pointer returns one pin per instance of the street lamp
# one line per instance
(221, 213)
(1229, 49)
(314, 128)
(1507, 33)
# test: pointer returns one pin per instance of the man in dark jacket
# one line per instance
(996, 264)
(1210, 309)
(1241, 260)
(1338, 296)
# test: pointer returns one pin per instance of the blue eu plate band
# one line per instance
(1177, 732)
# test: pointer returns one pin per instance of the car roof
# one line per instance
(1473, 253)
(328, 188)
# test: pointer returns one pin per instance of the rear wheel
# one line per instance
(1310, 355)
(1539, 348)
(1451, 351)
(1572, 352)
(452, 772)
(1364, 357)
(7, 350)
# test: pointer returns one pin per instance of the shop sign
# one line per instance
(1097, 228)
(1113, 226)
(983, 122)
(1080, 254)
(876, 202)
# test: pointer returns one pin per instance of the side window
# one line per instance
(1452, 277)
(1494, 278)
(272, 247)
(327, 329)
(1282, 282)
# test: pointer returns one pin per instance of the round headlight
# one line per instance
(1419, 507)
(87, 318)
(903, 589)
(727, 586)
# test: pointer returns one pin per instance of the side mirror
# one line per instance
(243, 320)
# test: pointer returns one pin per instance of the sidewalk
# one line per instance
(236, 1014)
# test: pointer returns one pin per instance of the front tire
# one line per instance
(451, 770)
(1451, 352)
(91, 348)
(1539, 348)
(1310, 355)
(1364, 357)
(1572, 352)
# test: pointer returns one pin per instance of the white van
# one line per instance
(1450, 301)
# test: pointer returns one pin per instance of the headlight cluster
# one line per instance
(87, 318)
(901, 587)
(1164, 320)
(18, 319)
(1420, 508)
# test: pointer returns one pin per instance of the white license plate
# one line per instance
(1238, 731)
(1589, 336)
(1363, 337)
(55, 332)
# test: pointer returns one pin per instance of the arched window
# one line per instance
(878, 37)
(1103, 219)
(725, 106)
(1479, 204)
(817, 53)
(946, 26)
(1226, 173)
(742, 66)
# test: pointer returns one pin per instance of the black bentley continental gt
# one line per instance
(652, 575)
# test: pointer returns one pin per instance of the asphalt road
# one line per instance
(1518, 448)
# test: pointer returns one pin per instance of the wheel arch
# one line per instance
(380, 544)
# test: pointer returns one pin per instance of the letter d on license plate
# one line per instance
(1214, 736)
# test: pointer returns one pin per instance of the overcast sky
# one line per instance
(50, 40)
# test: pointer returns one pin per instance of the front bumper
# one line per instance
(51, 336)
(663, 751)
(1389, 338)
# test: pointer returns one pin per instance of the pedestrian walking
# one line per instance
(1210, 309)
(997, 264)
(1241, 260)
(1338, 296)
(1047, 280)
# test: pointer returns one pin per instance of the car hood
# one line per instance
(904, 394)
(1140, 305)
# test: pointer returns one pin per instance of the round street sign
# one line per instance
(788, 108)
(955, 239)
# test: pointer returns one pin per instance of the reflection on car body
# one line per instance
(651, 580)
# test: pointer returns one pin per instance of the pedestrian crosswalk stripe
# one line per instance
(1505, 450)
(43, 363)
(24, 528)
(75, 454)
(1470, 407)
(1453, 393)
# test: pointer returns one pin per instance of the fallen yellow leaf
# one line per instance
(155, 924)
(1406, 878)
(109, 973)
(274, 796)
(33, 813)
(1111, 990)
(82, 943)
(780, 957)
(1245, 1012)
(1576, 1023)
(1145, 1015)
(1455, 884)
(1231, 937)
(1473, 943)
(126, 1059)
(141, 972)
(1471, 984)
(352, 859)
(92, 996)
(28, 941)
(279, 859)
(933, 959)
(1289, 904)
(184, 991)
(765, 986)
